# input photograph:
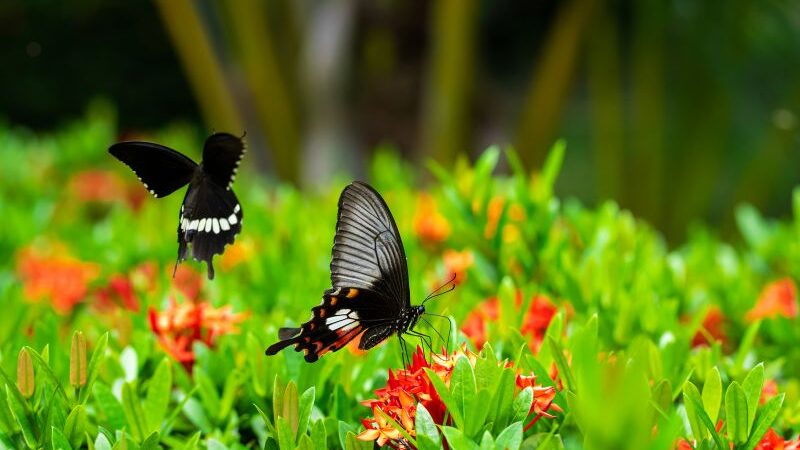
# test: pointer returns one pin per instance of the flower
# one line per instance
(103, 186)
(237, 253)
(55, 276)
(474, 326)
(778, 299)
(457, 264)
(430, 226)
(182, 324)
(411, 386)
(118, 291)
(769, 390)
(712, 329)
(770, 441)
(187, 281)
(537, 319)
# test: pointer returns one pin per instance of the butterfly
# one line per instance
(369, 274)
(211, 215)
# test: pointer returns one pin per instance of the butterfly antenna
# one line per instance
(449, 285)
(449, 329)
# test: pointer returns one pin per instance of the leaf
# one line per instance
(58, 441)
(305, 443)
(487, 442)
(109, 406)
(267, 421)
(75, 427)
(457, 440)
(20, 414)
(213, 444)
(192, 442)
(77, 360)
(101, 442)
(93, 368)
(689, 391)
(133, 412)
(736, 413)
(503, 399)
(522, 404)
(319, 435)
(766, 415)
(304, 411)
(351, 442)
(158, 395)
(45, 369)
(25, 376)
(753, 384)
(564, 371)
(476, 413)
(207, 392)
(427, 434)
(285, 433)
(462, 387)
(692, 397)
(712, 394)
(232, 383)
(510, 438)
(447, 399)
(151, 443)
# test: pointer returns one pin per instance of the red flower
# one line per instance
(182, 324)
(457, 263)
(770, 441)
(713, 327)
(118, 292)
(103, 186)
(537, 319)
(56, 277)
(430, 225)
(778, 299)
(474, 326)
(187, 281)
(411, 386)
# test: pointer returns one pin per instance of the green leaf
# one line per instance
(229, 391)
(522, 404)
(133, 412)
(291, 407)
(20, 414)
(319, 435)
(745, 346)
(351, 442)
(487, 442)
(736, 413)
(477, 411)
(75, 427)
(304, 412)
(462, 385)
(766, 415)
(109, 406)
(447, 399)
(510, 438)
(753, 384)
(151, 443)
(712, 394)
(207, 392)
(305, 443)
(158, 394)
(502, 401)
(564, 370)
(192, 442)
(689, 391)
(44, 368)
(213, 444)
(58, 441)
(691, 397)
(285, 433)
(101, 442)
(267, 421)
(427, 433)
(457, 440)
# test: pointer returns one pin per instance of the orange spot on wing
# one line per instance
(352, 293)
(334, 300)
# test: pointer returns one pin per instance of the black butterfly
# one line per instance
(369, 274)
(210, 216)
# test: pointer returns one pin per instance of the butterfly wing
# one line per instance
(161, 169)
(367, 250)
(343, 314)
(222, 154)
(210, 219)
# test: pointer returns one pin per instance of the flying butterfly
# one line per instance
(211, 215)
(370, 294)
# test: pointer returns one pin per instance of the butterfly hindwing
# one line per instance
(344, 314)
(210, 218)
(222, 154)
(367, 250)
(161, 169)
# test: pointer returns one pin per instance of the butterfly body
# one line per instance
(370, 294)
(210, 215)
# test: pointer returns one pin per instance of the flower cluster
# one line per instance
(770, 441)
(182, 324)
(411, 386)
(429, 224)
(103, 186)
(55, 276)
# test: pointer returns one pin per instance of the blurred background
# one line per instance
(676, 109)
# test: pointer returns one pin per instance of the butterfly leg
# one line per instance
(426, 340)
(404, 352)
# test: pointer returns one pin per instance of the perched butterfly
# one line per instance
(210, 216)
(370, 295)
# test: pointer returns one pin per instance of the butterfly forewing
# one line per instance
(222, 154)
(367, 249)
(161, 169)
(210, 219)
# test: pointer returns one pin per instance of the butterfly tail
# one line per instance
(287, 336)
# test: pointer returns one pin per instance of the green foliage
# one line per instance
(619, 322)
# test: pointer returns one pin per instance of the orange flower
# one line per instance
(182, 324)
(187, 281)
(769, 390)
(118, 292)
(537, 319)
(713, 327)
(410, 386)
(56, 277)
(778, 299)
(103, 186)
(431, 226)
(145, 277)
(240, 251)
(457, 263)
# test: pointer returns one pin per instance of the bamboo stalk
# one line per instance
(446, 115)
(274, 105)
(201, 65)
(550, 82)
